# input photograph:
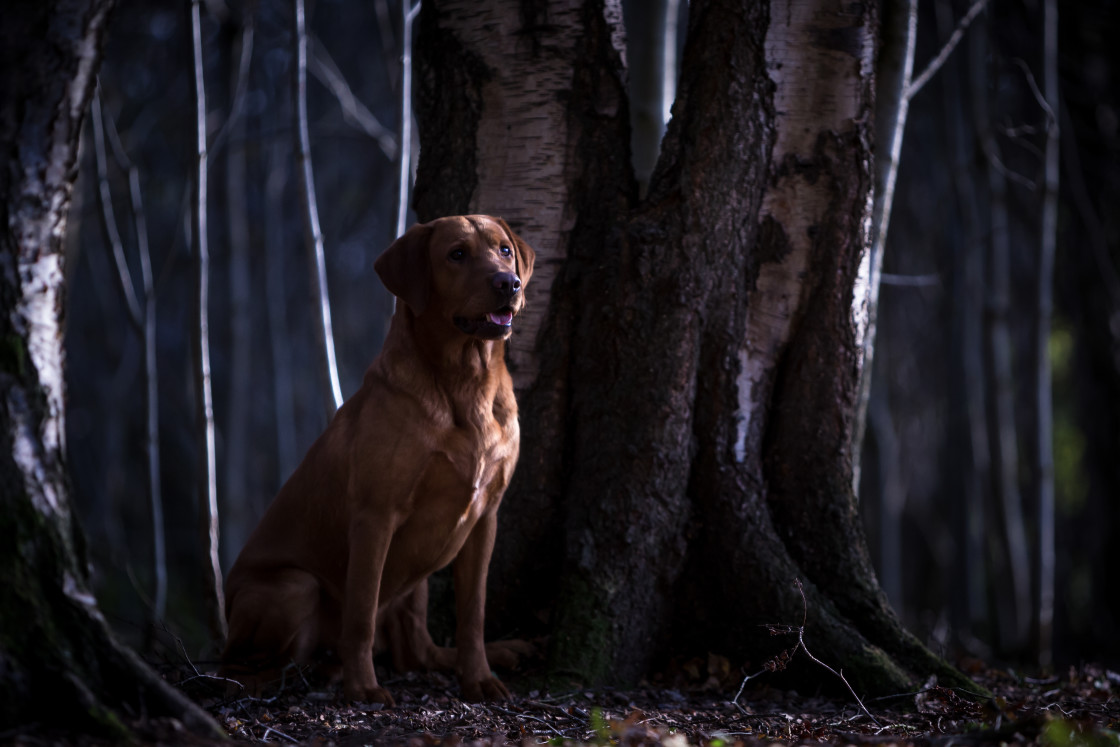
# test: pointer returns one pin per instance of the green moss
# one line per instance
(1064, 733)
(108, 724)
(13, 355)
(582, 644)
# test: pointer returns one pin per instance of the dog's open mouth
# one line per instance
(491, 325)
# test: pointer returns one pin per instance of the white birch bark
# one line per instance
(818, 91)
(208, 458)
(525, 154)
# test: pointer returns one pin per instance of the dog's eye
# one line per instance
(506, 251)
(456, 255)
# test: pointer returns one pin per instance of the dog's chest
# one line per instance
(475, 469)
(463, 478)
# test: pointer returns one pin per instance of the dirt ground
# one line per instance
(1079, 707)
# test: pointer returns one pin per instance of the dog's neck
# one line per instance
(456, 364)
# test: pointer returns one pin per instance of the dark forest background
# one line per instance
(945, 410)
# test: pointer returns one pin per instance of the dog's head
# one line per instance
(470, 270)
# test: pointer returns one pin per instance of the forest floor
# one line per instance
(1079, 707)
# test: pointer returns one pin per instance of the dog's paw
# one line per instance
(508, 654)
(374, 694)
(486, 689)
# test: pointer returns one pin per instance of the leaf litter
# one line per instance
(1081, 707)
(698, 706)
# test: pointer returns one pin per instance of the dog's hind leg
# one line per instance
(273, 622)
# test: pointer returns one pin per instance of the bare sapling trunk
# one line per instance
(1044, 444)
(967, 285)
(144, 322)
(207, 458)
(314, 232)
(1012, 562)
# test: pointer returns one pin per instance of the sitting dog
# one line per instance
(405, 479)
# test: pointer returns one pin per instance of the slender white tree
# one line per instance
(207, 461)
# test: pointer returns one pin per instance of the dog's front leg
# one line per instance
(369, 546)
(475, 678)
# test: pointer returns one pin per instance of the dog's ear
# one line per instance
(525, 254)
(403, 267)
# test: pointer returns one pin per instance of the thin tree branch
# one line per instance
(354, 111)
(801, 643)
(1011, 176)
(954, 39)
(311, 208)
(208, 484)
(151, 374)
(108, 217)
(781, 661)
(237, 108)
(1046, 106)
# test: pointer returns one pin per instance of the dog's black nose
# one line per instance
(506, 284)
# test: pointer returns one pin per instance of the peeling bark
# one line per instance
(522, 113)
(688, 406)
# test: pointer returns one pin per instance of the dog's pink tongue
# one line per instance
(501, 318)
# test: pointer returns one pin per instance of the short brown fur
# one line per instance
(407, 477)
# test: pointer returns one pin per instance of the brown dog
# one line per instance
(406, 478)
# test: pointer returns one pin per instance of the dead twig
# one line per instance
(354, 112)
(781, 661)
(521, 715)
(801, 643)
(269, 730)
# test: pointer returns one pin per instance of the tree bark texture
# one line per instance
(521, 109)
(53, 639)
(689, 383)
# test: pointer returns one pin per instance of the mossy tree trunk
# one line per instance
(59, 663)
(688, 383)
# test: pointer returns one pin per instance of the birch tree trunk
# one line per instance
(524, 116)
(53, 638)
(689, 371)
